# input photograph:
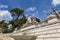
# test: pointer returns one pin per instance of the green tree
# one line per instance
(17, 23)
(4, 26)
(17, 11)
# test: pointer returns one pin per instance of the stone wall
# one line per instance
(17, 37)
(6, 38)
(46, 32)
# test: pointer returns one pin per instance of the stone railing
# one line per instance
(6, 38)
(46, 32)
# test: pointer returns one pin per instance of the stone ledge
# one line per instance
(6, 38)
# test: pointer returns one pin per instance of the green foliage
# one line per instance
(17, 11)
(17, 23)
(4, 26)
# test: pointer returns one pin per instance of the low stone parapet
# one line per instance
(46, 32)
(6, 38)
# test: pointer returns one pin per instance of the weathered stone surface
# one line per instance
(5, 38)
(24, 37)
(46, 32)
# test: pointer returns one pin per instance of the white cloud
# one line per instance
(26, 15)
(33, 14)
(55, 2)
(10, 25)
(47, 11)
(5, 15)
(3, 6)
(36, 12)
(30, 9)
(44, 11)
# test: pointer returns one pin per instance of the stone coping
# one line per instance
(5, 38)
(39, 26)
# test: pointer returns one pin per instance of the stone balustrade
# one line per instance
(47, 32)
(6, 38)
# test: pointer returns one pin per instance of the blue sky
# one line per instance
(35, 8)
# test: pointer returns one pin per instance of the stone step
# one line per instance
(24, 37)
(6, 38)
(46, 32)
(39, 30)
(49, 39)
(57, 35)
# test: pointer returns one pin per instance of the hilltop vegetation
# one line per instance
(16, 23)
